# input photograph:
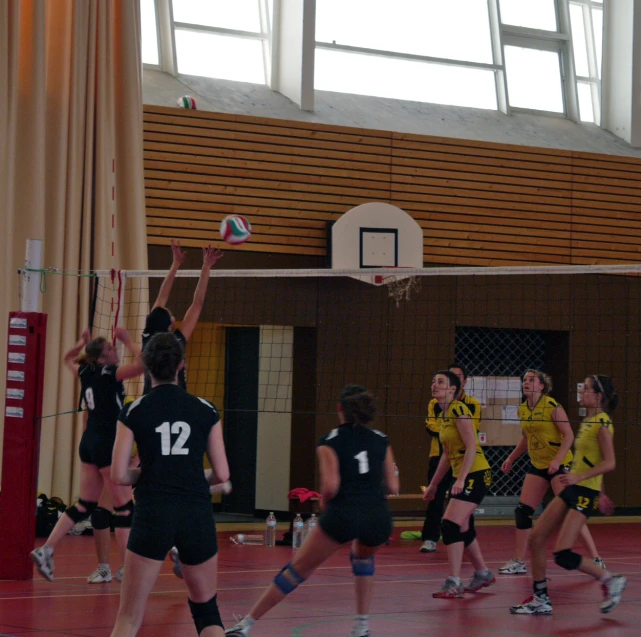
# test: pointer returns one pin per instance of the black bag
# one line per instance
(47, 514)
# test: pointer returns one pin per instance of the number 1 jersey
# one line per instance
(171, 428)
(361, 455)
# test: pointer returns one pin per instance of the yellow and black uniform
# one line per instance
(543, 437)
(584, 496)
(479, 477)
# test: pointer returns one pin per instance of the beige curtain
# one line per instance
(70, 113)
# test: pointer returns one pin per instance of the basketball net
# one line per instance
(400, 288)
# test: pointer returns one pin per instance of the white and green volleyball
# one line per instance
(186, 101)
(235, 229)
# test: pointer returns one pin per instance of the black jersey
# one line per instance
(103, 396)
(182, 374)
(171, 428)
(361, 454)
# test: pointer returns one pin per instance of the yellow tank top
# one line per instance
(451, 439)
(432, 423)
(543, 436)
(587, 450)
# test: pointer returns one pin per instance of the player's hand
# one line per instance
(86, 336)
(122, 335)
(458, 487)
(554, 467)
(211, 256)
(177, 253)
(568, 479)
(429, 494)
(606, 506)
(506, 467)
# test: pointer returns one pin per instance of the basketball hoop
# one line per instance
(400, 287)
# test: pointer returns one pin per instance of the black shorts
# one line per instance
(370, 524)
(161, 523)
(543, 473)
(476, 486)
(96, 448)
(581, 499)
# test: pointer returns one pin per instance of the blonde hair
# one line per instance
(544, 379)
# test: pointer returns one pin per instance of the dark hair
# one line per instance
(162, 356)
(603, 385)
(461, 367)
(544, 379)
(453, 378)
(93, 351)
(358, 404)
(158, 320)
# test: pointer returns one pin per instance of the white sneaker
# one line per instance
(599, 562)
(101, 575)
(175, 558)
(359, 632)
(535, 605)
(428, 547)
(43, 559)
(118, 574)
(513, 567)
(612, 593)
(237, 631)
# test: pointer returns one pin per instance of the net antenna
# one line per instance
(379, 235)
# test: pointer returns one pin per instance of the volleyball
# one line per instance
(186, 101)
(235, 229)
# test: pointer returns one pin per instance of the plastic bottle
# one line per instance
(243, 538)
(270, 530)
(311, 523)
(298, 531)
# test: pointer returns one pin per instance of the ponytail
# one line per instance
(93, 351)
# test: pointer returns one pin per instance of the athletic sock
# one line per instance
(246, 622)
(456, 580)
(105, 566)
(483, 572)
(362, 622)
(541, 588)
(606, 578)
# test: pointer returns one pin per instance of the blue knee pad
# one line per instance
(101, 519)
(362, 566)
(288, 579)
(567, 559)
(124, 515)
(206, 614)
(523, 516)
(451, 532)
(77, 515)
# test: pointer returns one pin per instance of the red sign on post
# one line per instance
(22, 418)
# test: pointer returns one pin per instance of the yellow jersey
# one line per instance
(587, 450)
(432, 423)
(543, 436)
(451, 439)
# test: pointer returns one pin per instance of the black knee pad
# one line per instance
(470, 535)
(451, 532)
(567, 559)
(124, 515)
(523, 516)
(101, 519)
(206, 614)
(78, 516)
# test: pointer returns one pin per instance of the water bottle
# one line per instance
(244, 538)
(270, 531)
(311, 523)
(299, 530)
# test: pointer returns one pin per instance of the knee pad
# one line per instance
(206, 614)
(123, 515)
(567, 559)
(78, 516)
(288, 579)
(470, 535)
(362, 567)
(451, 532)
(101, 519)
(523, 516)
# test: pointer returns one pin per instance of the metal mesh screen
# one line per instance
(506, 484)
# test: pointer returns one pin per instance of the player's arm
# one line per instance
(330, 477)
(606, 465)
(131, 370)
(468, 436)
(217, 456)
(165, 288)
(431, 423)
(439, 474)
(562, 423)
(517, 452)
(390, 473)
(74, 352)
(121, 472)
(210, 257)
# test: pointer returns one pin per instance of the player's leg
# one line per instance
(317, 548)
(101, 524)
(434, 512)
(532, 493)
(202, 584)
(90, 488)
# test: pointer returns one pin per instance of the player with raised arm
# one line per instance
(356, 470)
(173, 431)
(471, 479)
(578, 499)
(103, 393)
